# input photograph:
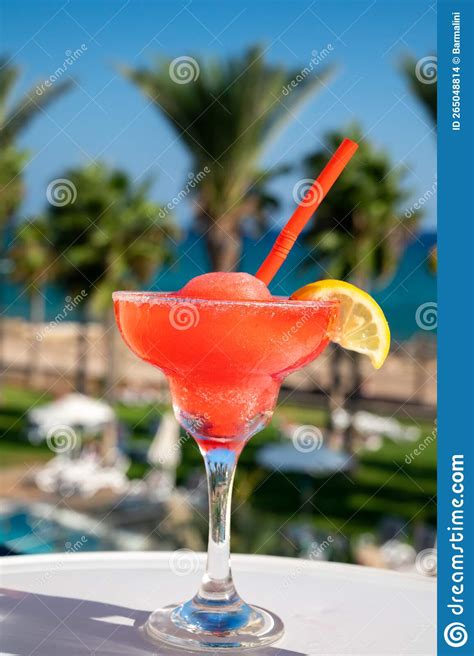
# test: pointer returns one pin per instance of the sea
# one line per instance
(408, 298)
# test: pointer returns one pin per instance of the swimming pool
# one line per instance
(42, 528)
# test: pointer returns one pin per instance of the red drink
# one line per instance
(225, 345)
(224, 360)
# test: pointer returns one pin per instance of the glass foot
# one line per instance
(200, 625)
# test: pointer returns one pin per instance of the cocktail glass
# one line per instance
(225, 361)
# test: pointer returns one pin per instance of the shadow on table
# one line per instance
(60, 626)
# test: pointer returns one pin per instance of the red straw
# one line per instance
(307, 207)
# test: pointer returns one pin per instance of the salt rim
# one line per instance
(154, 298)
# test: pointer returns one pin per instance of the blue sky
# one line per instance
(106, 118)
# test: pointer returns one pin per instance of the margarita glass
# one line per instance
(225, 361)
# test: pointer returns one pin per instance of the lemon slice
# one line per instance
(361, 325)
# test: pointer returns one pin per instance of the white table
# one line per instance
(91, 604)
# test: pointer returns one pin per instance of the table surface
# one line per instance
(93, 604)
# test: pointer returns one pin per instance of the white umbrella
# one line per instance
(75, 410)
(165, 450)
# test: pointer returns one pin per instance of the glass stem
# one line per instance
(217, 584)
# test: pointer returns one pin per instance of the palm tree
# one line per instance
(109, 236)
(421, 77)
(360, 230)
(12, 161)
(15, 117)
(226, 114)
(424, 88)
(31, 255)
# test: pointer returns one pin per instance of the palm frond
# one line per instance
(225, 115)
(8, 77)
(12, 161)
(110, 237)
(361, 229)
(29, 107)
(423, 88)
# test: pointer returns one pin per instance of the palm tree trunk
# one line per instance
(37, 315)
(3, 285)
(82, 347)
(2, 334)
(6, 229)
(111, 374)
(356, 376)
(224, 247)
(336, 395)
(354, 385)
(340, 390)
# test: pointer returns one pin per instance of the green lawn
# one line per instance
(268, 504)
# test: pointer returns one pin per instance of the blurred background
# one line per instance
(145, 143)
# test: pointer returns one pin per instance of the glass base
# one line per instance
(200, 625)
